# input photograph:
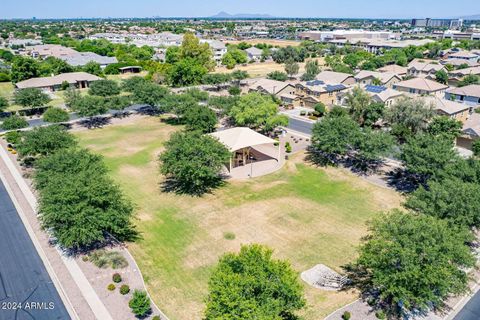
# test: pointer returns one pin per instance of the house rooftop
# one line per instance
(421, 84)
(393, 68)
(270, 86)
(71, 78)
(384, 77)
(446, 106)
(333, 77)
(472, 90)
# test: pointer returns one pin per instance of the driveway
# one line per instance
(26, 290)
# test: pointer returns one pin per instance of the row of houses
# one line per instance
(69, 55)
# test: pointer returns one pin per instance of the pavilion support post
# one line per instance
(230, 167)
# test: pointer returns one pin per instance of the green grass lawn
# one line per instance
(307, 215)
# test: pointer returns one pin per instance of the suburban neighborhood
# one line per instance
(175, 161)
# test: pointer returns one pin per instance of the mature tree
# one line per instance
(89, 106)
(118, 102)
(333, 137)
(93, 68)
(150, 93)
(441, 76)
(413, 262)
(311, 70)
(200, 53)
(277, 75)
(52, 65)
(216, 78)
(55, 115)
(320, 108)
(3, 104)
(468, 80)
(14, 122)
(79, 203)
(256, 110)
(476, 148)
(24, 68)
(223, 104)
(228, 61)
(234, 56)
(178, 104)
(446, 127)
(409, 116)
(371, 146)
(133, 83)
(291, 68)
(426, 155)
(241, 287)
(450, 199)
(43, 141)
(192, 162)
(358, 101)
(187, 72)
(200, 118)
(140, 304)
(31, 97)
(104, 88)
(72, 96)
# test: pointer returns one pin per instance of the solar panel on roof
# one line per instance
(334, 87)
(375, 89)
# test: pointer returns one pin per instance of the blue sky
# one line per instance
(197, 8)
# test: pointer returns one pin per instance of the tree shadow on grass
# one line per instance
(171, 185)
(95, 122)
(403, 181)
(149, 111)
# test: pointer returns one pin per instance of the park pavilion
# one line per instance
(253, 154)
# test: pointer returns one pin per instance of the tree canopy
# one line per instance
(200, 118)
(14, 122)
(104, 88)
(408, 117)
(43, 141)
(3, 104)
(31, 97)
(413, 261)
(257, 111)
(79, 204)
(192, 162)
(241, 287)
(55, 115)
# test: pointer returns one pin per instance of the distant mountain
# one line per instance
(225, 15)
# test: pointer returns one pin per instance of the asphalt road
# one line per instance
(471, 311)
(26, 290)
(304, 127)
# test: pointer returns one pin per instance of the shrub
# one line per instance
(303, 112)
(234, 91)
(124, 289)
(346, 315)
(229, 235)
(380, 315)
(14, 122)
(156, 318)
(140, 303)
(13, 137)
(85, 258)
(104, 259)
(111, 287)
(55, 115)
(117, 278)
(288, 147)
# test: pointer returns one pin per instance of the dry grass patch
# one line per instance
(306, 214)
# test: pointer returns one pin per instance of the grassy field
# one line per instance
(261, 69)
(306, 214)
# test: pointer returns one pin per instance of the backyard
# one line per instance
(308, 215)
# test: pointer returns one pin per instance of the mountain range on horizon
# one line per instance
(227, 15)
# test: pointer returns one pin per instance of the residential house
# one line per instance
(332, 77)
(274, 87)
(420, 86)
(49, 50)
(78, 80)
(386, 79)
(82, 58)
(313, 92)
(424, 69)
(394, 68)
(457, 63)
(456, 75)
(470, 132)
(254, 54)
(468, 94)
(384, 95)
(219, 49)
(464, 55)
(451, 109)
